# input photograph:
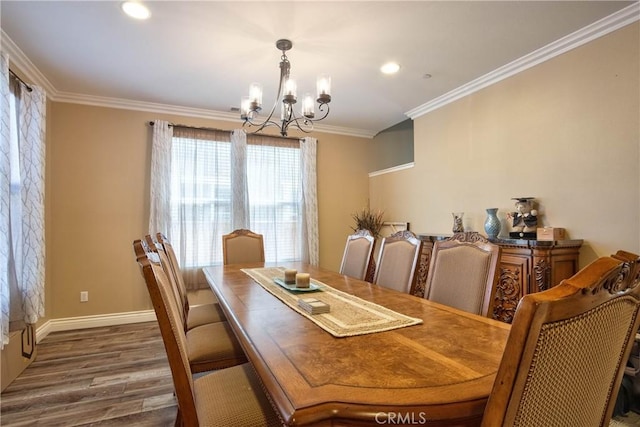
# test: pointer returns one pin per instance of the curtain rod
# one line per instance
(29, 88)
(192, 127)
(225, 130)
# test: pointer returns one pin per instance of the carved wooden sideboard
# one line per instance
(526, 266)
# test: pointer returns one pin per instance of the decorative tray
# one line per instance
(293, 288)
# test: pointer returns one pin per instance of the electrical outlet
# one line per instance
(84, 296)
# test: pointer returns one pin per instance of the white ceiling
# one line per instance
(201, 56)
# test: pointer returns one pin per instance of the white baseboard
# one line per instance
(84, 322)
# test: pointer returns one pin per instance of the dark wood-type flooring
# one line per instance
(108, 376)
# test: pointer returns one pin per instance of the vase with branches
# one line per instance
(366, 219)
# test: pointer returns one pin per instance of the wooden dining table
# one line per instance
(439, 372)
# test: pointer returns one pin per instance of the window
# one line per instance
(275, 199)
(201, 195)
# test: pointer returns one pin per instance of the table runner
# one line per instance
(349, 315)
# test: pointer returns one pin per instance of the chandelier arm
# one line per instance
(265, 124)
(309, 125)
(284, 72)
(294, 120)
(321, 109)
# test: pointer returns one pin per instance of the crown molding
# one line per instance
(24, 64)
(598, 29)
(128, 104)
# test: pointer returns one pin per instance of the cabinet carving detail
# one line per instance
(507, 295)
(542, 274)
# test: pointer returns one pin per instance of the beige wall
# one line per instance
(97, 198)
(565, 132)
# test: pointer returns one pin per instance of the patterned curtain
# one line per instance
(22, 166)
(160, 193)
(310, 197)
(32, 119)
(5, 198)
(239, 187)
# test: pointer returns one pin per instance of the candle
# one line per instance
(302, 280)
(290, 276)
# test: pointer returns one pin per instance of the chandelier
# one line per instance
(251, 105)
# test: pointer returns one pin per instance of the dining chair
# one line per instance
(195, 315)
(210, 346)
(357, 254)
(397, 261)
(228, 397)
(242, 246)
(463, 273)
(566, 352)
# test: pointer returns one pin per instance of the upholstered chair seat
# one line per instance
(213, 346)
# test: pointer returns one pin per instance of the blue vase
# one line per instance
(492, 223)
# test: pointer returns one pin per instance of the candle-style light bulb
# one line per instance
(323, 86)
(290, 91)
(255, 97)
(308, 106)
(244, 107)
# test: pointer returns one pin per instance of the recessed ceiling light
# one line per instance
(136, 10)
(390, 68)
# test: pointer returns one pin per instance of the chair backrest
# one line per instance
(564, 359)
(164, 242)
(158, 249)
(173, 335)
(357, 254)
(242, 246)
(397, 261)
(463, 273)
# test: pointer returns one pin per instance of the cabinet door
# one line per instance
(514, 280)
(550, 267)
(564, 264)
